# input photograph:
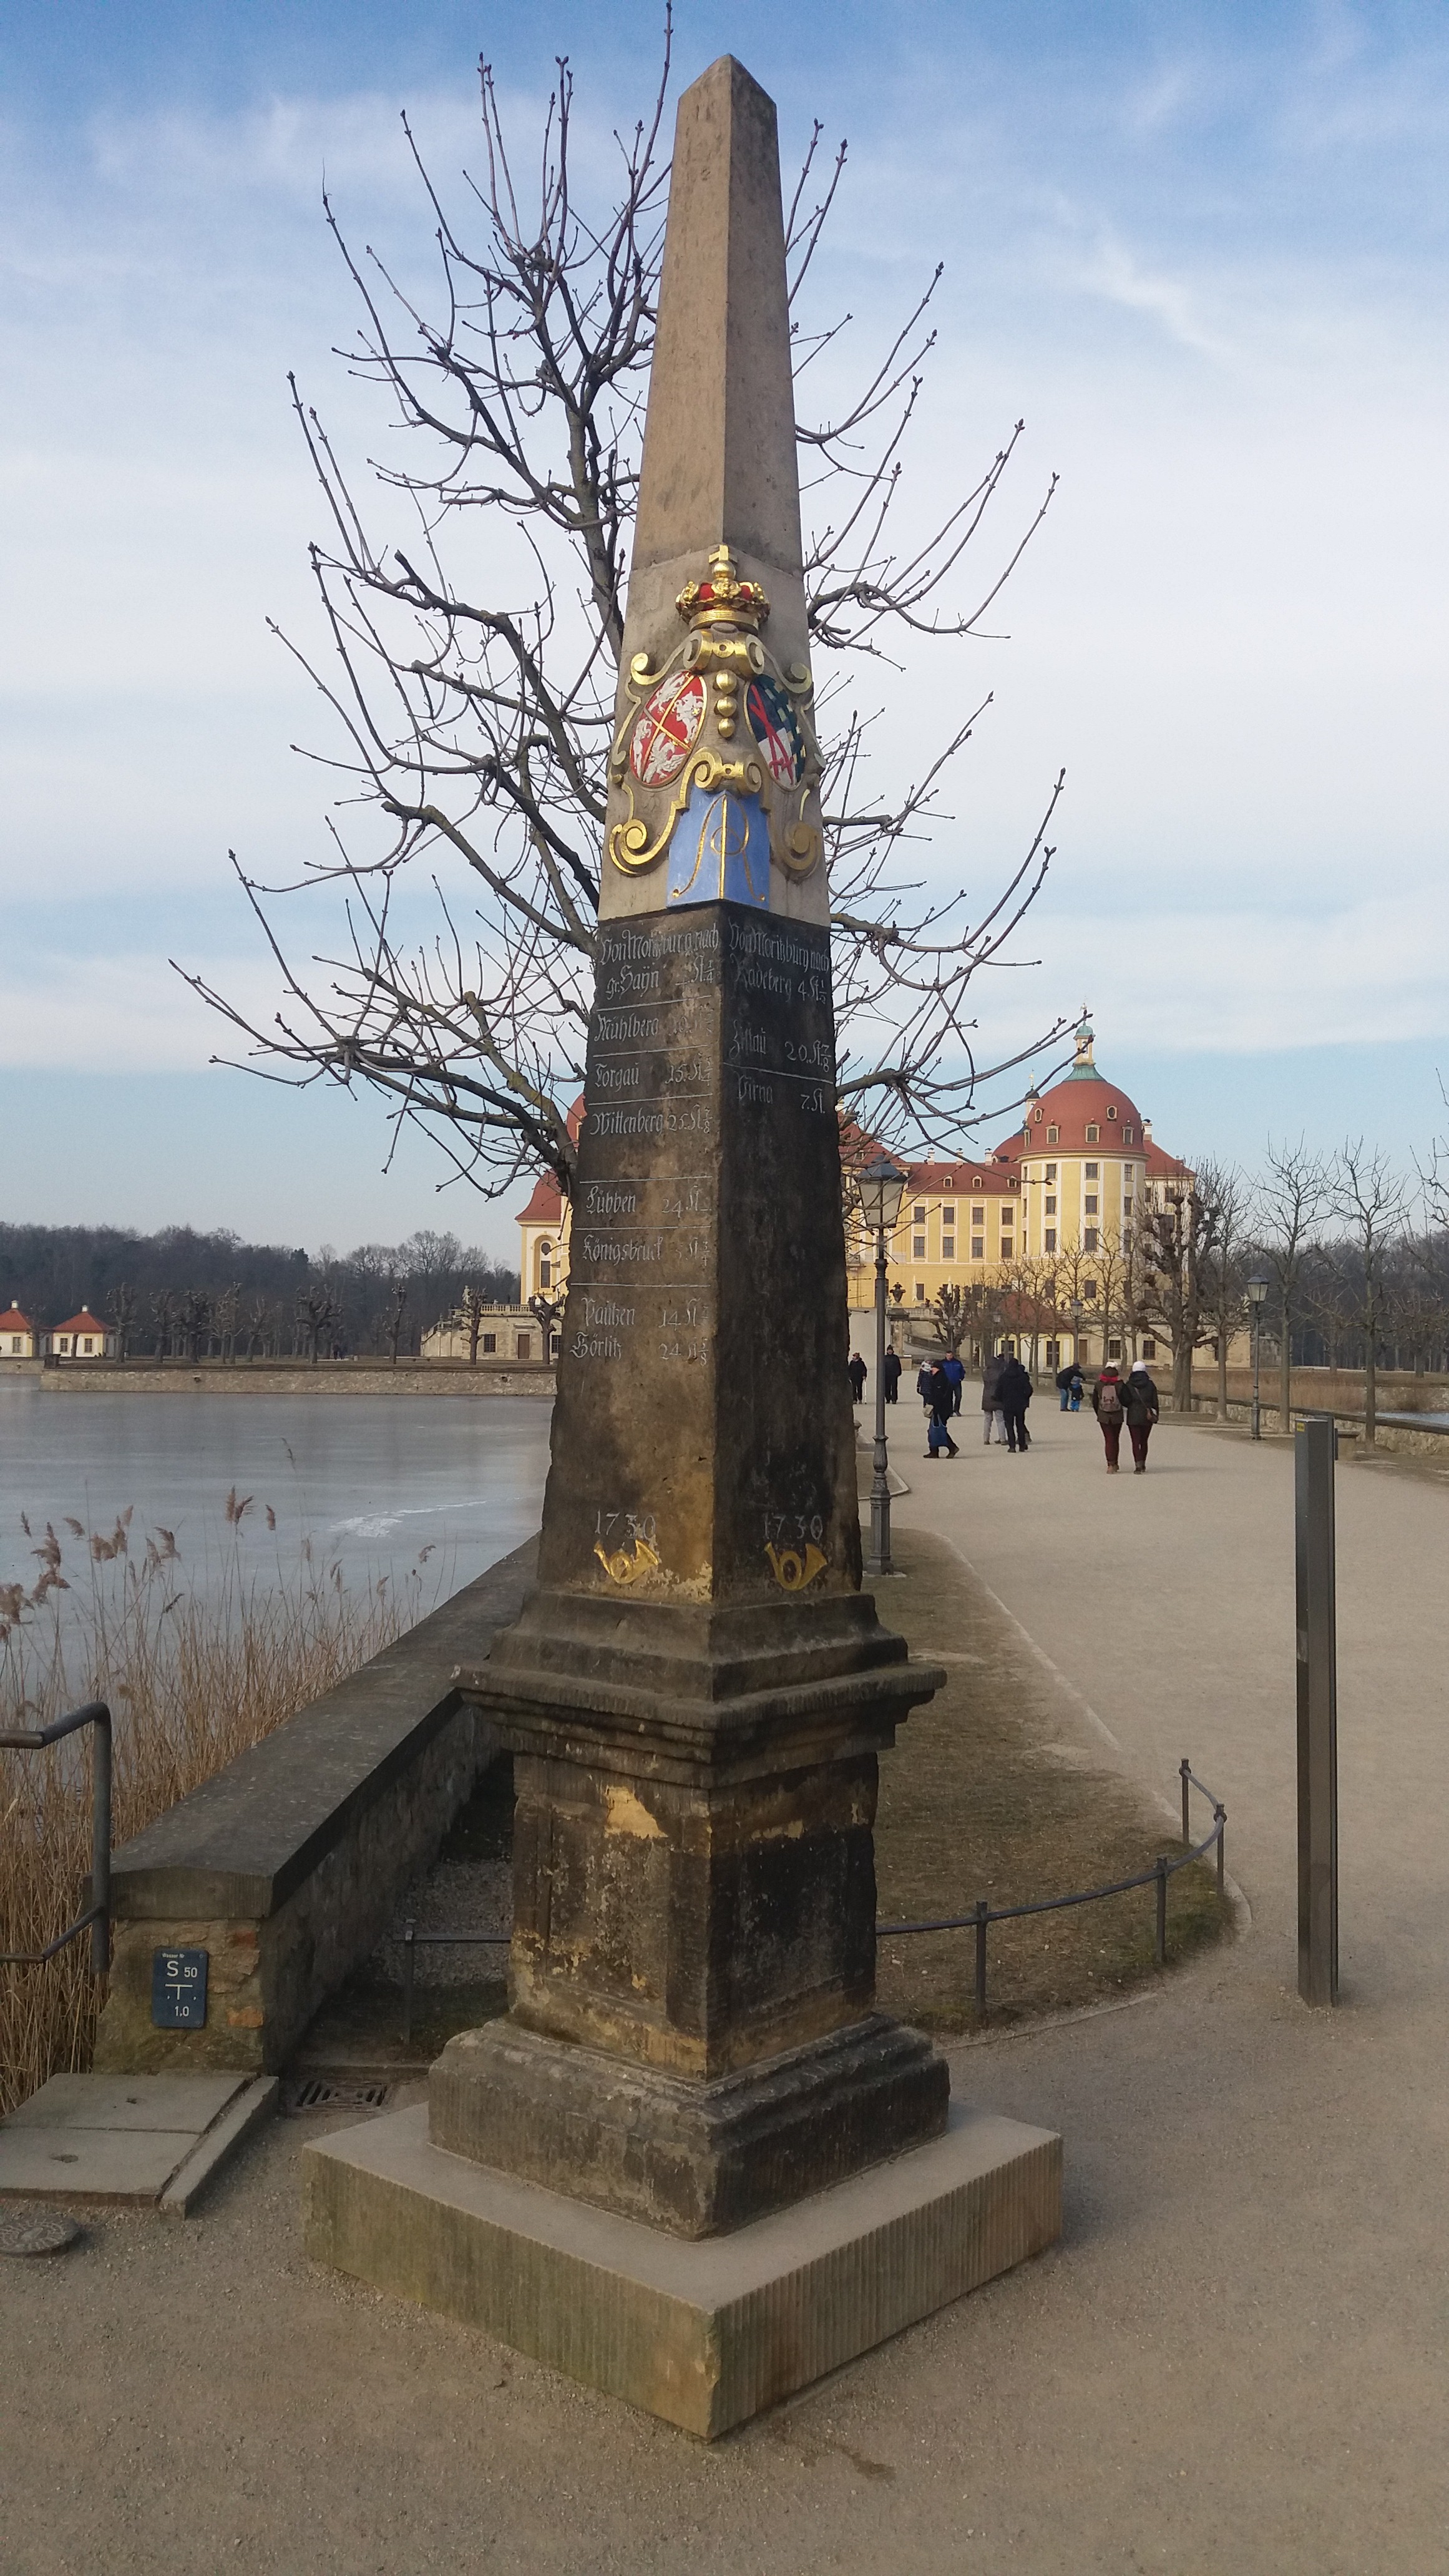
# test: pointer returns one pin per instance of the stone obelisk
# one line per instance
(697, 1692)
(697, 1695)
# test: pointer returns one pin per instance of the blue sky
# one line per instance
(1202, 250)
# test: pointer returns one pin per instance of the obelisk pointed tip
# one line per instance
(727, 72)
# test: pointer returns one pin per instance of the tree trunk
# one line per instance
(1182, 1375)
(1370, 1392)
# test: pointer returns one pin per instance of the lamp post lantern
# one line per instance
(880, 1187)
(1257, 1292)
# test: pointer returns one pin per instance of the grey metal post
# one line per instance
(101, 1844)
(879, 1559)
(1314, 1449)
(1257, 1397)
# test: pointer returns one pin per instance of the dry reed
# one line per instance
(191, 1680)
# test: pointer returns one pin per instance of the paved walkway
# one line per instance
(1235, 2362)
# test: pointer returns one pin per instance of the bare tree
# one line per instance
(317, 1311)
(473, 1312)
(1367, 1197)
(476, 722)
(163, 1315)
(1225, 1269)
(125, 1308)
(394, 1325)
(1176, 1243)
(1289, 1204)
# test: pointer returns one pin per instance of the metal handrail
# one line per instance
(983, 1915)
(979, 1920)
(98, 1912)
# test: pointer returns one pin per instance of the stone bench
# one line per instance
(286, 1867)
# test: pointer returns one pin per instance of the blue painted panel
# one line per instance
(720, 852)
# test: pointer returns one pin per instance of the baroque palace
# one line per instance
(1042, 1226)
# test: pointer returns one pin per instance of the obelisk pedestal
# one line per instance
(698, 1692)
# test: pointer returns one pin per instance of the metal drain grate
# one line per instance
(318, 2093)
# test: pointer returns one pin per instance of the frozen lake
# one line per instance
(372, 1480)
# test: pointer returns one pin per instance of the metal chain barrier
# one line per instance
(979, 1920)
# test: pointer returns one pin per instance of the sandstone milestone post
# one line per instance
(697, 1694)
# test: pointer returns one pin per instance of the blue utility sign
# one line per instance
(178, 1989)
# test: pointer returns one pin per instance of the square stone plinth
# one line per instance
(707, 2333)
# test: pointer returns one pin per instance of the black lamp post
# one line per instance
(1257, 1292)
(880, 1188)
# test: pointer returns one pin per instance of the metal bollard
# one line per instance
(1220, 1819)
(1185, 1767)
(1160, 1866)
(983, 1917)
(409, 1962)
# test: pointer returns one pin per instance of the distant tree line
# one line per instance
(183, 1295)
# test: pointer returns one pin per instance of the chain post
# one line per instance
(1220, 1819)
(1160, 1867)
(983, 1917)
(409, 1965)
(1185, 1768)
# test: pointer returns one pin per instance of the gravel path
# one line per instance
(1235, 2361)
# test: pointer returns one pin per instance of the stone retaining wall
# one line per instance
(286, 1867)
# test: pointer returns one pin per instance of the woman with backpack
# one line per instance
(1140, 1401)
(1107, 1406)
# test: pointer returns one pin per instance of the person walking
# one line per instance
(1108, 1408)
(892, 1375)
(952, 1364)
(991, 1398)
(1064, 1383)
(938, 1429)
(1142, 1405)
(857, 1375)
(1015, 1393)
(1077, 1386)
(924, 1375)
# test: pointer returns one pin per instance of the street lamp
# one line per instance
(880, 1187)
(1257, 1292)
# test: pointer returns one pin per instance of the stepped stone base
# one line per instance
(705, 2334)
(697, 2159)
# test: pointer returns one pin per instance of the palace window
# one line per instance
(524, 1346)
(1112, 1112)
(976, 1184)
(920, 1292)
(919, 1214)
(1091, 1203)
(1114, 1350)
(1129, 1135)
(1051, 1238)
(1089, 1292)
(948, 1183)
(978, 1248)
(1149, 1350)
(918, 1247)
(488, 1342)
(948, 1247)
(1089, 1239)
(1090, 1170)
(1093, 1134)
(1051, 1172)
(1051, 1205)
(1053, 1136)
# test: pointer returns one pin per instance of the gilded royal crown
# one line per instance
(722, 600)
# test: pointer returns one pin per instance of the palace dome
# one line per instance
(1084, 1098)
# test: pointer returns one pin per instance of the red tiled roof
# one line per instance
(84, 1322)
(546, 1205)
(12, 1321)
(953, 1178)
